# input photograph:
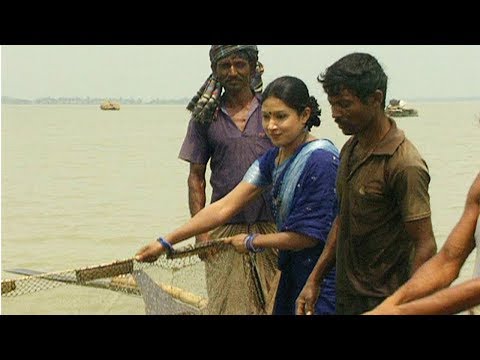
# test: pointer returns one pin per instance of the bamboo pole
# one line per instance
(128, 282)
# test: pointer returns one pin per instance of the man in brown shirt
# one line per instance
(383, 231)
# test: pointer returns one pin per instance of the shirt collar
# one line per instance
(391, 141)
(255, 104)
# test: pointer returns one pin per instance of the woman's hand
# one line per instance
(238, 241)
(150, 252)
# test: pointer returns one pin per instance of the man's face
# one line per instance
(351, 115)
(234, 72)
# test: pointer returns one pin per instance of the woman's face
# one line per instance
(281, 123)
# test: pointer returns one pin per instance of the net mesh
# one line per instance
(174, 284)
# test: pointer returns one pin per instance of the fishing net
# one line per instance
(174, 284)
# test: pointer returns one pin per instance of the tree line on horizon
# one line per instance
(139, 101)
(91, 101)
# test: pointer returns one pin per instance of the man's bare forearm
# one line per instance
(196, 196)
(197, 193)
(447, 301)
(437, 273)
(423, 253)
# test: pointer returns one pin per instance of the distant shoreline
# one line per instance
(184, 101)
(454, 99)
(91, 101)
(94, 105)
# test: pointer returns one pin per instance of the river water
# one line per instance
(82, 187)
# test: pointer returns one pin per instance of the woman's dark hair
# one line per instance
(293, 92)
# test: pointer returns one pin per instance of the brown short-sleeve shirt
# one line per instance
(377, 196)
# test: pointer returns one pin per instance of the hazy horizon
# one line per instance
(186, 99)
(177, 71)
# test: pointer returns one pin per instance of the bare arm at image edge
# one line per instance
(442, 269)
(448, 301)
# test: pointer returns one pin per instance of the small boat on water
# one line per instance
(109, 105)
(396, 108)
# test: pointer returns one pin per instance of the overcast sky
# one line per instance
(177, 71)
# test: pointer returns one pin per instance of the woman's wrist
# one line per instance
(166, 245)
(249, 244)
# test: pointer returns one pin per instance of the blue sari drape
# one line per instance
(303, 200)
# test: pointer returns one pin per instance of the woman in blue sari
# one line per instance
(300, 172)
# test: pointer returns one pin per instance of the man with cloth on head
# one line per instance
(226, 129)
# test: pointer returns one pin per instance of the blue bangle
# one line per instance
(166, 245)
(246, 242)
(249, 244)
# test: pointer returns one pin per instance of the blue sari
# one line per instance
(303, 200)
